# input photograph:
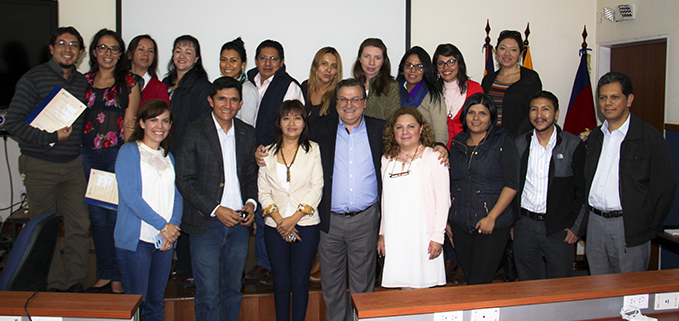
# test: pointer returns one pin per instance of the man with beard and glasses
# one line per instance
(50, 163)
(551, 193)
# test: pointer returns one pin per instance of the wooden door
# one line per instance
(644, 63)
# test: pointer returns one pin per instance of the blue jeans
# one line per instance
(218, 260)
(291, 266)
(261, 255)
(103, 221)
(146, 271)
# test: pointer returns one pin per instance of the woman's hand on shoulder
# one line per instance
(443, 155)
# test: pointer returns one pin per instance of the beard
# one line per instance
(63, 65)
(549, 124)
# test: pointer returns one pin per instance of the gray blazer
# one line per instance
(200, 170)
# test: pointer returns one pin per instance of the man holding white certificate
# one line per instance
(50, 163)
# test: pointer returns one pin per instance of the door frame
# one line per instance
(604, 66)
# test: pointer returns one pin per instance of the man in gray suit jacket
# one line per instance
(217, 176)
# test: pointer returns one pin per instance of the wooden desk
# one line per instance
(71, 305)
(667, 240)
(560, 299)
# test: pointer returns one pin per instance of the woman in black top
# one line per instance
(319, 89)
(484, 166)
(188, 86)
(512, 86)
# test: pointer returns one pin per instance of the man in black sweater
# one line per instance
(50, 163)
(551, 194)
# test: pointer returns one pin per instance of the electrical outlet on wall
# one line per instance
(492, 314)
(448, 316)
(639, 301)
(666, 301)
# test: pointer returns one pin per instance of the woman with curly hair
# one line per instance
(112, 99)
(415, 203)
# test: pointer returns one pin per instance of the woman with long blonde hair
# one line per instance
(319, 89)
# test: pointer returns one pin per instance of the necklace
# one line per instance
(286, 164)
(404, 157)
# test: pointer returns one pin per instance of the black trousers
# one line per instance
(480, 254)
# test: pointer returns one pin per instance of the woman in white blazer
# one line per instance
(290, 188)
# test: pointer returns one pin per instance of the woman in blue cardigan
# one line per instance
(149, 208)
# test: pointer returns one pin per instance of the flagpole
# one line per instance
(525, 41)
(488, 62)
(581, 114)
(527, 59)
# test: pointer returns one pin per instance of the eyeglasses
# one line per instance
(401, 174)
(102, 49)
(272, 59)
(450, 63)
(64, 44)
(344, 101)
(419, 67)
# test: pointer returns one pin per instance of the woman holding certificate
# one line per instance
(112, 98)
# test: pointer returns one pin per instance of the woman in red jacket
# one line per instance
(142, 54)
(456, 85)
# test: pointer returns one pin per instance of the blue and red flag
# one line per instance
(489, 59)
(581, 115)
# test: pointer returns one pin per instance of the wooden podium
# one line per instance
(577, 298)
(69, 306)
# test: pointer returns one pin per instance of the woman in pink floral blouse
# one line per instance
(112, 98)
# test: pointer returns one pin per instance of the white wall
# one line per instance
(555, 36)
(322, 23)
(88, 17)
(654, 18)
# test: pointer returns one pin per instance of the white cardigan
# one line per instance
(306, 185)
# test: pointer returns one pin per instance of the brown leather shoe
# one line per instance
(316, 266)
(256, 273)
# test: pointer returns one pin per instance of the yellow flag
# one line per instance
(527, 60)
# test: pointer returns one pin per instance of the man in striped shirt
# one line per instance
(551, 193)
(50, 163)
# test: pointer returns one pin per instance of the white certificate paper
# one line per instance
(102, 189)
(58, 110)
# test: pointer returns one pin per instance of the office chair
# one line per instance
(29, 261)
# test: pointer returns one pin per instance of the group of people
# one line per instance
(426, 167)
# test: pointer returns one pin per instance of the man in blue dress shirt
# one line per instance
(351, 147)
